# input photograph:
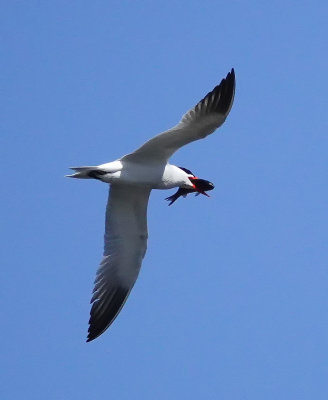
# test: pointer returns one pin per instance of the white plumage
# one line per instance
(132, 177)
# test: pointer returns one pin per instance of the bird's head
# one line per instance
(200, 186)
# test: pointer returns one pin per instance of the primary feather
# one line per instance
(197, 123)
(125, 246)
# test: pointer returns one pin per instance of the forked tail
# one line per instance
(86, 173)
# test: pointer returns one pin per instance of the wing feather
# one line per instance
(125, 246)
(202, 120)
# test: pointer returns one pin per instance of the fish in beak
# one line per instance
(201, 186)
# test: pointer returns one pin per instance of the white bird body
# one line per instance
(155, 175)
(131, 178)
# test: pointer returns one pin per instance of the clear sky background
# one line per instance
(231, 302)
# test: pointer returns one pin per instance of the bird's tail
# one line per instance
(85, 172)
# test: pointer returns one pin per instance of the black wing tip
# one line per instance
(229, 80)
(226, 92)
(231, 76)
(100, 320)
(222, 96)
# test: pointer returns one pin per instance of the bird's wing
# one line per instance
(197, 123)
(125, 247)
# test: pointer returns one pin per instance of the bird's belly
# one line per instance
(152, 176)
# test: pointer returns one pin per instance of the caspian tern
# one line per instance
(131, 179)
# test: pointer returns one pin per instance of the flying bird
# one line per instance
(131, 179)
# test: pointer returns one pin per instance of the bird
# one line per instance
(131, 179)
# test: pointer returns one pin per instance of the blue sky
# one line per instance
(231, 302)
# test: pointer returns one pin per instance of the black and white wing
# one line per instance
(125, 246)
(202, 120)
